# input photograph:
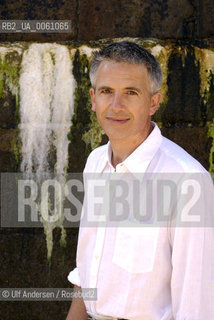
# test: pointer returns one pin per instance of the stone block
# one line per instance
(161, 19)
(40, 10)
(206, 18)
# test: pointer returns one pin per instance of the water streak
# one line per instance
(46, 109)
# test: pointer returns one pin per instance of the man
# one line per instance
(162, 273)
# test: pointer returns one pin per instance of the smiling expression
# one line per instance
(123, 102)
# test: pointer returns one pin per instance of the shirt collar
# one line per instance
(140, 158)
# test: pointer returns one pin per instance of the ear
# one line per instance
(92, 94)
(155, 101)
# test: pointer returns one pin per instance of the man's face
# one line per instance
(122, 101)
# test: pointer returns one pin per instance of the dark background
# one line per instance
(93, 20)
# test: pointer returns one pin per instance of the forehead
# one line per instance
(111, 72)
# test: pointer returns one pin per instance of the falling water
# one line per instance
(46, 108)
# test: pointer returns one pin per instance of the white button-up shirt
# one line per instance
(159, 273)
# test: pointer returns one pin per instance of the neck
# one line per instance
(122, 149)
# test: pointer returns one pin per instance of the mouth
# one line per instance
(117, 120)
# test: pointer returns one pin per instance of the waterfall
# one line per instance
(46, 109)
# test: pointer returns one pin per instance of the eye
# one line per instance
(106, 91)
(131, 92)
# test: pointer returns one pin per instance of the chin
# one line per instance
(116, 136)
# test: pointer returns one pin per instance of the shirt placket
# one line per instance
(98, 249)
(101, 231)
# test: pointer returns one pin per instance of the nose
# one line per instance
(116, 102)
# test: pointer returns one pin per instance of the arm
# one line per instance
(192, 285)
(77, 309)
(192, 282)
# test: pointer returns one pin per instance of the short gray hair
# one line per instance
(130, 52)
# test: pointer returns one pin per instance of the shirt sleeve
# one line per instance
(74, 278)
(192, 281)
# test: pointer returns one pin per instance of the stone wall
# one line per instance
(93, 20)
(182, 32)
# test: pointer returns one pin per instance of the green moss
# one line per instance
(53, 58)
(10, 69)
(17, 114)
(205, 58)
(9, 76)
(211, 155)
(16, 149)
(1, 80)
(208, 93)
(10, 65)
(93, 136)
(84, 120)
(81, 94)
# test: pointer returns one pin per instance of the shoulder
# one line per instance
(185, 170)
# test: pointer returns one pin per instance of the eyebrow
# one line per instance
(104, 87)
(134, 89)
(127, 88)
